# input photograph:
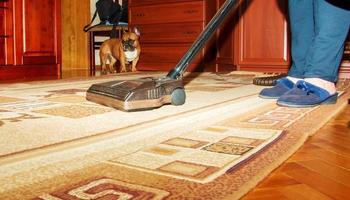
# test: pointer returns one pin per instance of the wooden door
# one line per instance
(39, 37)
(32, 42)
(262, 36)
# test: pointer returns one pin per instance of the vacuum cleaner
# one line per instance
(150, 92)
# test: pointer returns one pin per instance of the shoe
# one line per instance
(282, 86)
(268, 80)
(305, 94)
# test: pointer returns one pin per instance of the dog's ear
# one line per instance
(137, 31)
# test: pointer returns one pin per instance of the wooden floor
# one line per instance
(319, 170)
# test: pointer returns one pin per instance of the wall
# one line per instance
(75, 49)
(93, 9)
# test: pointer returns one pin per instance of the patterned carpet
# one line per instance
(219, 145)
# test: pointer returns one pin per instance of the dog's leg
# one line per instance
(109, 66)
(103, 60)
(133, 64)
(122, 66)
(112, 69)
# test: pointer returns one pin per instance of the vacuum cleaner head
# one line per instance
(150, 93)
(139, 94)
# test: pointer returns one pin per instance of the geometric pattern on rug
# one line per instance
(272, 117)
(227, 148)
(106, 188)
(282, 116)
(201, 155)
(74, 111)
(19, 117)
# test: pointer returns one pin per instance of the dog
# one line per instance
(125, 50)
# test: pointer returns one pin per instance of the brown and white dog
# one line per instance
(126, 50)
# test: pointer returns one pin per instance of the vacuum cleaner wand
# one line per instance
(201, 39)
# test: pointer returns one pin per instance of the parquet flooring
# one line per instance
(319, 170)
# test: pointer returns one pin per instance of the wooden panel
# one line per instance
(175, 32)
(27, 73)
(164, 53)
(2, 33)
(165, 57)
(6, 34)
(263, 34)
(3, 8)
(168, 29)
(2, 51)
(156, 66)
(147, 2)
(39, 41)
(75, 43)
(177, 12)
(225, 42)
(9, 40)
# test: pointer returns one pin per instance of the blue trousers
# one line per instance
(319, 29)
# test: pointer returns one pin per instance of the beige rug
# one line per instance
(220, 144)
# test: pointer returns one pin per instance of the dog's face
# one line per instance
(130, 40)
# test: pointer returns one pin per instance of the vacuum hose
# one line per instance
(202, 39)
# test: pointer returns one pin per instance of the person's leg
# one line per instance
(302, 28)
(323, 58)
(302, 34)
(331, 28)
